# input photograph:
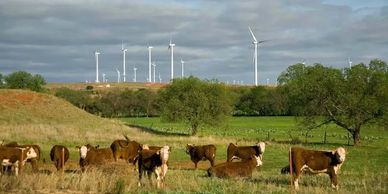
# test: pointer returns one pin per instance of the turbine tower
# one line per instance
(183, 68)
(171, 48)
(134, 75)
(96, 53)
(103, 78)
(149, 64)
(350, 62)
(123, 50)
(118, 76)
(154, 65)
(255, 42)
(160, 79)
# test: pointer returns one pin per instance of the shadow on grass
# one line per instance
(156, 132)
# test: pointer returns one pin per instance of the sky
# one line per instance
(57, 39)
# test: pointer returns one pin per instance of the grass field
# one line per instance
(29, 117)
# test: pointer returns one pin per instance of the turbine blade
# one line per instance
(253, 36)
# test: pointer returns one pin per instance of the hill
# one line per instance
(31, 116)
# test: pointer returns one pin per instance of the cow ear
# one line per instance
(97, 146)
(158, 152)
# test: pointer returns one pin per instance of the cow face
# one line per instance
(188, 148)
(164, 153)
(340, 154)
(83, 150)
(31, 153)
(258, 160)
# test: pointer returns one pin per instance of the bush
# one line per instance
(25, 80)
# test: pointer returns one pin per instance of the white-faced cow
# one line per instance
(245, 152)
(314, 161)
(242, 168)
(90, 155)
(59, 155)
(201, 152)
(154, 161)
(16, 156)
(32, 161)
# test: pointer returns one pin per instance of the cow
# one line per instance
(154, 161)
(90, 155)
(16, 156)
(245, 152)
(203, 152)
(59, 155)
(328, 162)
(32, 161)
(125, 149)
(242, 168)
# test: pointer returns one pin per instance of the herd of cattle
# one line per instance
(241, 160)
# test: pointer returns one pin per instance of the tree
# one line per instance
(349, 98)
(25, 80)
(1, 81)
(195, 102)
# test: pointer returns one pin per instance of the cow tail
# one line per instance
(291, 165)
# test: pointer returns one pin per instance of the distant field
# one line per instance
(29, 117)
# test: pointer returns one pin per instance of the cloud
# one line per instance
(57, 38)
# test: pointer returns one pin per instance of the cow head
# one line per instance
(31, 153)
(83, 150)
(164, 154)
(188, 148)
(261, 146)
(145, 147)
(258, 160)
(340, 154)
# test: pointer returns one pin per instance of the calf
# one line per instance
(59, 155)
(152, 161)
(245, 152)
(90, 155)
(204, 152)
(32, 161)
(243, 168)
(328, 162)
(16, 157)
(125, 149)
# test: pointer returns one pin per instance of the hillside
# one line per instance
(31, 116)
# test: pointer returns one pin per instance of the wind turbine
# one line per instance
(96, 53)
(160, 79)
(183, 68)
(134, 75)
(149, 63)
(118, 75)
(255, 42)
(350, 62)
(124, 50)
(171, 48)
(154, 65)
(103, 78)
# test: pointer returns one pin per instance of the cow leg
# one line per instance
(158, 172)
(34, 164)
(16, 165)
(195, 164)
(212, 162)
(333, 178)
(296, 176)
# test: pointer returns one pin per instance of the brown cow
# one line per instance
(245, 152)
(154, 161)
(204, 152)
(56, 154)
(32, 161)
(243, 168)
(328, 162)
(16, 156)
(90, 155)
(125, 149)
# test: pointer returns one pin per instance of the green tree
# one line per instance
(349, 98)
(25, 80)
(1, 81)
(195, 102)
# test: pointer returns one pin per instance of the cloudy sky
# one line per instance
(57, 39)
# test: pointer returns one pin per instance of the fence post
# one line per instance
(21, 160)
(324, 138)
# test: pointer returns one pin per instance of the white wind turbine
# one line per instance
(134, 74)
(149, 63)
(154, 66)
(123, 50)
(255, 42)
(350, 62)
(103, 78)
(118, 75)
(160, 79)
(96, 53)
(171, 48)
(183, 68)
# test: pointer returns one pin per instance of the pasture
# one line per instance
(364, 171)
